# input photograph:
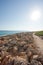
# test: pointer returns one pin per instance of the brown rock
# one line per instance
(34, 62)
(35, 56)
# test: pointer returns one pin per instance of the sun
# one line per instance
(35, 15)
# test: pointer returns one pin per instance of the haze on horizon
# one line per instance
(26, 15)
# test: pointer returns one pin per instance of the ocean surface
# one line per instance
(4, 33)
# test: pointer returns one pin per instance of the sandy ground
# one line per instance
(39, 42)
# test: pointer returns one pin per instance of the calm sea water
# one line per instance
(4, 33)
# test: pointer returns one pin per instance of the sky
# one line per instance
(23, 15)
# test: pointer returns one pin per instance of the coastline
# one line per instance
(5, 33)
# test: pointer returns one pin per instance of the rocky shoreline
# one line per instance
(19, 49)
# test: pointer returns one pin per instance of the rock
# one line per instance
(15, 48)
(10, 40)
(41, 37)
(29, 55)
(3, 53)
(40, 58)
(35, 56)
(10, 63)
(34, 51)
(23, 42)
(18, 39)
(23, 55)
(20, 61)
(34, 62)
(13, 42)
(2, 39)
(0, 58)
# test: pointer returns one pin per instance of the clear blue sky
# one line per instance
(16, 15)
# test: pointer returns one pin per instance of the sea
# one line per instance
(4, 33)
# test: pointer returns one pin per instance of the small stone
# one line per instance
(35, 57)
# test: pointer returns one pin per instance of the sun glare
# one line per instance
(35, 15)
